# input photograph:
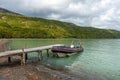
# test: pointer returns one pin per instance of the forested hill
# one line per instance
(13, 25)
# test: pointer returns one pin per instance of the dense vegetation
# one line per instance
(18, 26)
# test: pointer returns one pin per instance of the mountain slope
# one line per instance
(2, 10)
(18, 26)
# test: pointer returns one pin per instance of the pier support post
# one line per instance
(9, 59)
(26, 56)
(39, 55)
(23, 58)
(48, 53)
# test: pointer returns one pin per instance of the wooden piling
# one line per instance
(40, 55)
(9, 59)
(23, 58)
(48, 53)
(26, 56)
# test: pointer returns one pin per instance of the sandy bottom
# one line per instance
(32, 71)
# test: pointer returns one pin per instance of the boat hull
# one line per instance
(63, 51)
(60, 55)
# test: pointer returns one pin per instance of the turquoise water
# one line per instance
(99, 61)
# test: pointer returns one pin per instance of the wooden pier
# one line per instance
(24, 52)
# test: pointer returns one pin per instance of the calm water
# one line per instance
(99, 61)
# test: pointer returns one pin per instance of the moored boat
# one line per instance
(63, 51)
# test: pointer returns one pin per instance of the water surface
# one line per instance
(99, 61)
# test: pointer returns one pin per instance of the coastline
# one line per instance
(31, 71)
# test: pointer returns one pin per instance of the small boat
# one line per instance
(64, 51)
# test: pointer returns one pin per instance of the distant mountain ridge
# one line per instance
(2, 10)
(13, 25)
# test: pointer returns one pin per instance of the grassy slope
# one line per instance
(18, 26)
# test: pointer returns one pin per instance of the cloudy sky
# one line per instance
(97, 13)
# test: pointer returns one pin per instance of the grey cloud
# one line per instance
(97, 13)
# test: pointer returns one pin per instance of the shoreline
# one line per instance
(31, 71)
(3, 44)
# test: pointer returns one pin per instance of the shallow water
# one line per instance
(100, 59)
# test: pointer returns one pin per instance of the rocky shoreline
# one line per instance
(31, 71)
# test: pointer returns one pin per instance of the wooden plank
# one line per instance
(14, 52)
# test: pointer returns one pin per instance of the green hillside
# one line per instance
(18, 26)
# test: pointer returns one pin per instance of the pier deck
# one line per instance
(26, 51)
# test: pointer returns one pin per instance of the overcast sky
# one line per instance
(97, 13)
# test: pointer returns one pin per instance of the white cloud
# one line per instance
(53, 16)
(98, 13)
